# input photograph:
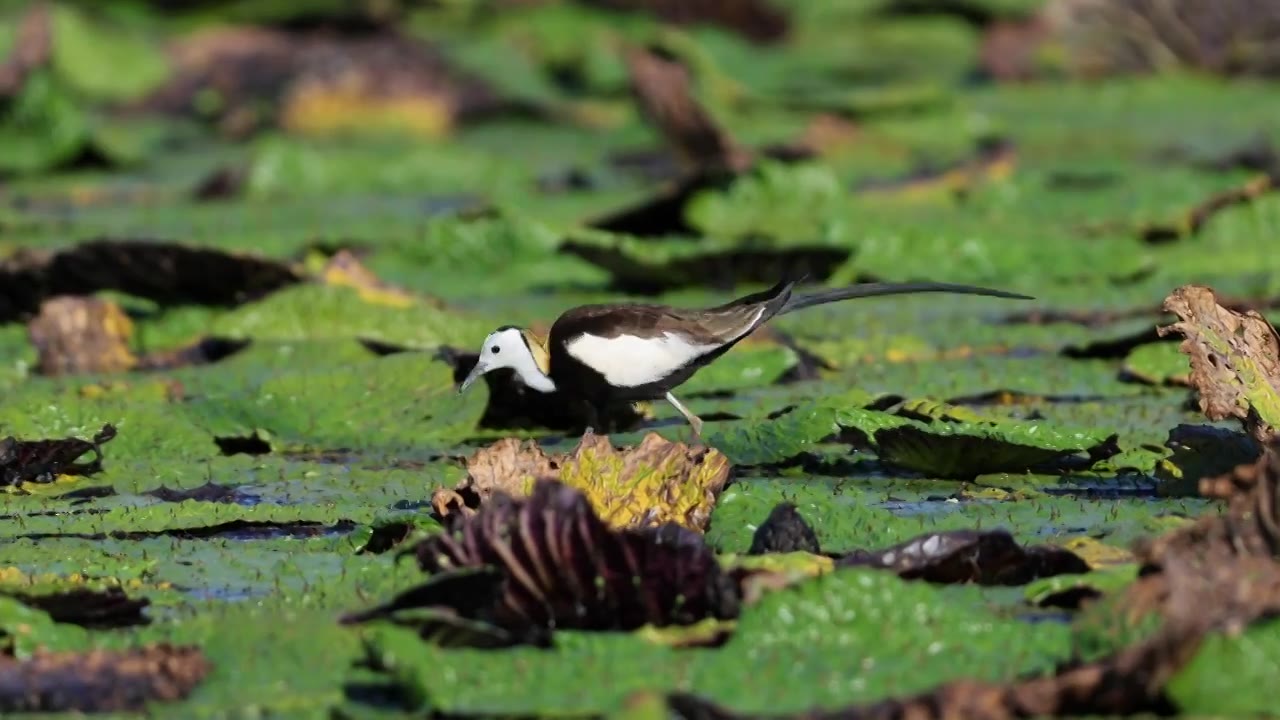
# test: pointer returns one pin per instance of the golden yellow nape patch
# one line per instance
(539, 349)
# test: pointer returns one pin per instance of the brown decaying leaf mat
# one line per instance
(1235, 359)
(100, 680)
(656, 482)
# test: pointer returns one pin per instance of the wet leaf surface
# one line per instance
(309, 215)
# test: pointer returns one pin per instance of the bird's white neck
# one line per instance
(533, 376)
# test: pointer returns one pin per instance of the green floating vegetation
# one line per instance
(253, 500)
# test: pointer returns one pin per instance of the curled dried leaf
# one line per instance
(1235, 359)
(549, 561)
(42, 461)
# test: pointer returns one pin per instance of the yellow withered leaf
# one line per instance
(656, 482)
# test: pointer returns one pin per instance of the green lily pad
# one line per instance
(1230, 673)
(759, 441)
(24, 630)
(113, 63)
(1158, 364)
(975, 446)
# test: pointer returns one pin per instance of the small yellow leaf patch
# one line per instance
(345, 270)
(1098, 554)
(656, 482)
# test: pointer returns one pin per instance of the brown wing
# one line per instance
(721, 324)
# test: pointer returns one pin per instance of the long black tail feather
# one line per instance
(800, 302)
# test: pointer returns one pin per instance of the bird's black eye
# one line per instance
(494, 349)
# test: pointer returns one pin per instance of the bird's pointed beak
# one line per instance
(472, 376)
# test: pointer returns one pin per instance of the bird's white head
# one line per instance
(518, 349)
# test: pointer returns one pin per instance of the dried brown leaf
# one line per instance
(1235, 359)
(522, 567)
(663, 88)
(42, 461)
(656, 482)
(100, 680)
(75, 335)
(964, 556)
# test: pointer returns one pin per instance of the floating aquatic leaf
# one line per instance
(960, 556)
(654, 483)
(968, 449)
(1235, 359)
(552, 562)
(26, 630)
(106, 608)
(1073, 590)
(42, 461)
(167, 273)
(1157, 364)
(795, 432)
(108, 62)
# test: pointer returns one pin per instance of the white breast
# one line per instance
(630, 361)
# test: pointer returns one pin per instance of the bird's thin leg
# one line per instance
(694, 421)
(592, 417)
